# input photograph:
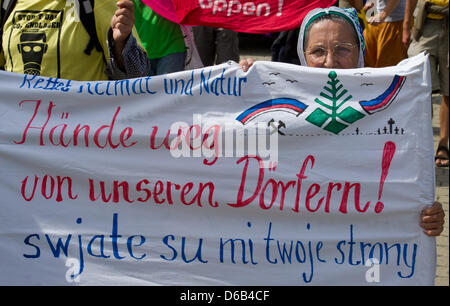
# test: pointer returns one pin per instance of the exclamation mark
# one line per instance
(388, 154)
(280, 7)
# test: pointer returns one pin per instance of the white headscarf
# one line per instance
(348, 15)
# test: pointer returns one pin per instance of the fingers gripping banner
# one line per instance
(284, 175)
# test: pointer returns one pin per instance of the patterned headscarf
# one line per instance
(349, 15)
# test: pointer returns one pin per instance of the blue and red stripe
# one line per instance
(385, 99)
(280, 104)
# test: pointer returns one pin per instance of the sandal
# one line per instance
(441, 157)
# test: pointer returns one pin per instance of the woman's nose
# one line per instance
(329, 60)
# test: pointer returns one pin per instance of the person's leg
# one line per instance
(434, 70)
(227, 46)
(171, 63)
(204, 39)
(443, 59)
(429, 42)
(391, 49)
(153, 66)
(442, 152)
(371, 38)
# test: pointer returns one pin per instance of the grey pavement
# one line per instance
(259, 49)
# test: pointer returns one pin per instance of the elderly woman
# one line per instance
(332, 38)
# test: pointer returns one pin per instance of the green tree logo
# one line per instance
(347, 116)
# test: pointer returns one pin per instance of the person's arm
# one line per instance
(381, 16)
(122, 24)
(127, 59)
(134, 60)
(408, 21)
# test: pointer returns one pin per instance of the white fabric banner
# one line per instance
(284, 175)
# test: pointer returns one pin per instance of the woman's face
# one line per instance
(331, 44)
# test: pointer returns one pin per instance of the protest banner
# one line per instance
(257, 16)
(284, 175)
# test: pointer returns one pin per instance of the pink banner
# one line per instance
(258, 16)
(164, 8)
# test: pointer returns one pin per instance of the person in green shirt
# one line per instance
(161, 38)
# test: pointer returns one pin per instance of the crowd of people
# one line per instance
(127, 39)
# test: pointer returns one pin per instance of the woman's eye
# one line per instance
(318, 52)
(342, 51)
